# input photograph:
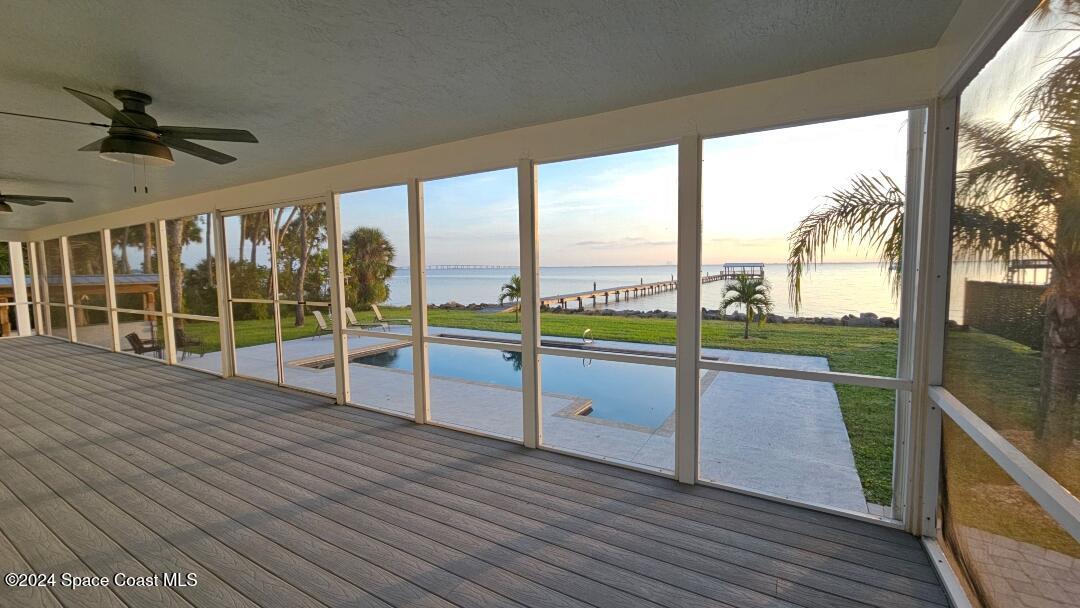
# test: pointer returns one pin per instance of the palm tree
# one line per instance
(751, 292)
(179, 233)
(1017, 198)
(368, 261)
(300, 234)
(512, 291)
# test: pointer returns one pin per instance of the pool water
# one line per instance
(642, 395)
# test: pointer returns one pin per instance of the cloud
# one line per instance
(624, 242)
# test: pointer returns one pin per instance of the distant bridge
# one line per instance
(466, 267)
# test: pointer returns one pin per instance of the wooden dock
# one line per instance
(730, 271)
(619, 294)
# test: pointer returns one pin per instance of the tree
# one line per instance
(1017, 197)
(512, 291)
(368, 261)
(300, 232)
(179, 233)
(127, 237)
(753, 294)
(255, 229)
(200, 295)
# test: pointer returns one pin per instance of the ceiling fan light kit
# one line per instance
(135, 149)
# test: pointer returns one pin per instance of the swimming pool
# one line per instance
(640, 395)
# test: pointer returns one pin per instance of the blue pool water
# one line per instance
(643, 395)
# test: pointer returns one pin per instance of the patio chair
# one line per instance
(184, 341)
(350, 321)
(380, 319)
(323, 328)
(142, 347)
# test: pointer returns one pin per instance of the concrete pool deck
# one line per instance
(775, 435)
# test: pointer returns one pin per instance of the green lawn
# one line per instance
(250, 332)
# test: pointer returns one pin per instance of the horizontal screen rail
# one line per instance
(374, 333)
(132, 311)
(607, 355)
(474, 343)
(1058, 502)
(192, 317)
(896, 384)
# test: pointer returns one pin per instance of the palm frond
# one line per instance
(1006, 167)
(868, 212)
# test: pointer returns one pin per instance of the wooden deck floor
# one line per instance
(110, 463)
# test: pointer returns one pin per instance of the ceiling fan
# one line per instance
(135, 137)
(29, 200)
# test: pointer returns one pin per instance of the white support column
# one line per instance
(18, 286)
(532, 400)
(225, 316)
(909, 277)
(931, 313)
(36, 276)
(41, 285)
(337, 297)
(421, 383)
(276, 293)
(688, 304)
(167, 324)
(69, 294)
(110, 289)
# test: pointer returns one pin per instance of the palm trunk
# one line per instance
(301, 273)
(125, 264)
(1060, 389)
(240, 239)
(746, 324)
(174, 232)
(148, 244)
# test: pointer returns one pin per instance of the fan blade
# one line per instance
(94, 146)
(105, 108)
(26, 197)
(195, 149)
(209, 134)
(28, 202)
(5, 208)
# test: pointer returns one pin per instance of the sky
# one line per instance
(620, 209)
(997, 91)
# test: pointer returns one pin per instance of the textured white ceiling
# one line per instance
(322, 82)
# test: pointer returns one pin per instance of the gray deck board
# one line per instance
(111, 462)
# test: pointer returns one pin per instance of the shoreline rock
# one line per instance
(865, 319)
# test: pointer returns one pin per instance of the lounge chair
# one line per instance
(323, 328)
(184, 341)
(142, 347)
(380, 319)
(350, 321)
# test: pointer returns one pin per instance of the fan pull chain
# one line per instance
(134, 179)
